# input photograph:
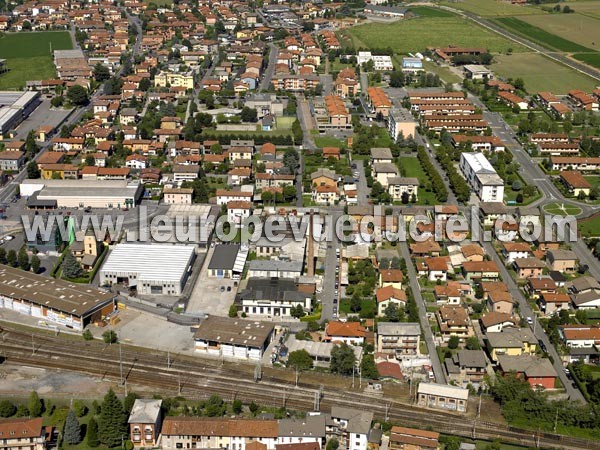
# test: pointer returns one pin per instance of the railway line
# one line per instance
(198, 379)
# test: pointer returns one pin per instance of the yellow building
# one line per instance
(59, 171)
(512, 342)
(172, 79)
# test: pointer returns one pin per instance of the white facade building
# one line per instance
(482, 177)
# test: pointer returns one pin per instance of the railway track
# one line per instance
(198, 379)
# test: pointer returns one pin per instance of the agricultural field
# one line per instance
(588, 8)
(577, 28)
(591, 59)
(540, 36)
(492, 8)
(416, 34)
(540, 73)
(426, 11)
(28, 56)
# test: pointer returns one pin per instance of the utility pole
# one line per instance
(168, 359)
(353, 376)
(32, 345)
(120, 364)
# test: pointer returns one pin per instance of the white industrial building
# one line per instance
(15, 107)
(150, 268)
(380, 62)
(482, 177)
(81, 193)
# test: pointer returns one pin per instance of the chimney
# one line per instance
(310, 264)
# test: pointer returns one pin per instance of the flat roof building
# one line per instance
(233, 338)
(482, 177)
(82, 193)
(151, 268)
(58, 301)
(16, 107)
(443, 396)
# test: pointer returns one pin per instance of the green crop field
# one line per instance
(540, 36)
(426, 11)
(492, 8)
(417, 34)
(540, 73)
(28, 56)
(592, 59)
(577, 28)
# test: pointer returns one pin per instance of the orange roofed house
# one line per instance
(24, 434)
(351, 333)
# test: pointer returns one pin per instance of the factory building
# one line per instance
(56, 301)
(42, 194)
(16, 107)
(152, 269)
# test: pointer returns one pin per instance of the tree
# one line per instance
(77, 95)
(87, 335)
(101, 72)
(35, 405)
(31, 146)
(393, 313)
(7, 409)
(453, 342)
(297, 311)
(2, 255)
(233, 311)
(90, 160)
(92, 433)
(355, 302)
(368, 368)
(35, 263)
(112, 421)
(128, 402)
(300, 360)
(23, 258)
(291, 160)
(70, 266)
(11, 258)
(343, 359)
(473, 343)
(110, 337)
(79, 408)
(248, 114)
(333, 444)
(32, 170)
(236, 406)
(72, 432)
(253, 407)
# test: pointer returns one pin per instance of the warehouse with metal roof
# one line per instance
(152, 269)
(58, 301)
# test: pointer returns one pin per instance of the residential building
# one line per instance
(529, 267)
(12, 160)
(145, 421)
(403, 189)
(273, 297)
(351, 333)
(453, 321)
(352, 427)
(22, 433)
(575, 183)
(538, 372)
(387, 296)
(466, 367)
(561, 260)
(482, 177)
(399, 339)
(401, 123)
(511, 341)
(402, 438)
(178, 196)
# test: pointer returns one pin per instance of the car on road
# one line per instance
(228, 288)
(354, 165)
(567, 372)
(8, 237)
(222, 289)
(529, 320)
(335, 300)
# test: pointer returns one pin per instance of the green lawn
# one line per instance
(443, 72)
(417, 34)
(28, 56)
(328, 141)
(594, 180)
(285, 123)
(528, 66)
(411, 167)
(540, 36)
(589, 227)
(562, 209)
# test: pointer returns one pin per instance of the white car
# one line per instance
(529, 320)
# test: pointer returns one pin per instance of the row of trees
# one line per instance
(437, 184)
(459, 186)
(20, 259)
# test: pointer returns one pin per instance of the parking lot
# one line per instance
(211, 296)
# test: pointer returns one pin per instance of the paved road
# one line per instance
(270, 70)
(422, 140)
(526, 311)
(362, 189)
(306, 122)
(436, 365)
(330, 277)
